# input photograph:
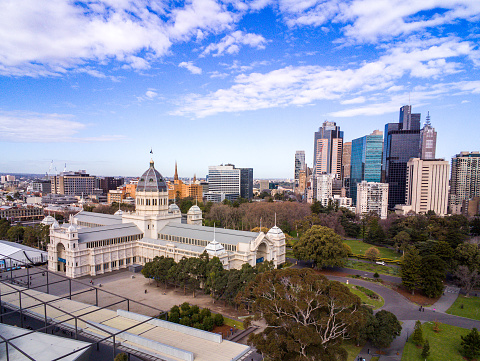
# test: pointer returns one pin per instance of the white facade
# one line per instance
(94, 243)
(427, 185)
(324, 188)
(224, 179)
(372, 197)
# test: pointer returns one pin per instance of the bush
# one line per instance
(198, 325)
(185, 307)
(196, 318)
(121, 357)
(208, 323)
(247, 322)
(376, 275)
(218, 319)
(175, 309)
(186, 321)
(194, 309)
(174, 317)
(205, 313)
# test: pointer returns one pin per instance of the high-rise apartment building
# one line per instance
(299, 164)
(328, 150)
(246, 183)
(323, 191)
(428, 140)
(366, 161)
(73, 183)
(372, 197)
(229, 182)
(427, 185)
(464, 180)
(401, 142)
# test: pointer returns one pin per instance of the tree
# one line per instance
(31, 236)
(402, 240)
(372, 253)
(467, 279)
(375, 233)
(4, 227)
(417, 336)
(469, 255)
(410, 269)
(15, 233)
(426, 350)
(323, 246)
(382, 328)
(309, 326)
(471, 344)
(432, 274)
(121, 357)
(214, 283)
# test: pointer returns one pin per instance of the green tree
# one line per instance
(417, 336)
(432, 274)
(475, 226)
(426, 350)
(402, 240)
(31, 236)
(309, 326)
(4, 227)
(375, 233)
(15, 233)
(410, 269)
(471, 344)
(214, 282)
(323, 246)
(121, 357)
(372, 253)
(382, 328)
(469, 255)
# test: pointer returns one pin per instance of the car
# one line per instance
(380, 263)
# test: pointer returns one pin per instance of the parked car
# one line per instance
(380, 263)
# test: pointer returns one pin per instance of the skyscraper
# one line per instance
(402, 142)
(372, 197)
(346, 161)
(464, 179)
(366, 161)
(299, 164)
(228, 182)
(328, 149)
(428, 140)
(246, 183)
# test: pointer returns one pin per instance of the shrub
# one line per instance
(417, 336)
(185, 307)
(247, 322)
(121, 357)
(195, 309)
(471, 344)
(175, 309)
(218, 319)
(198, 325)
(376, 275)
(186, 321)
(208, 323)
(174, 317)
(196, 318)
(205, 313)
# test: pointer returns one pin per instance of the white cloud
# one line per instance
(151, 94)
(231, 43)
(190, 67)
(305, 84)
(465, 101)
(27, 127)
(357, 100)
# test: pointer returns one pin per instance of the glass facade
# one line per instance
(366, 161)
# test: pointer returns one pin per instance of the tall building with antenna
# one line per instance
(428, 140)
(328, 150)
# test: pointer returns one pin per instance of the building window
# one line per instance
(105, 266)
(98, 267)
(120, 262)
(114, 264)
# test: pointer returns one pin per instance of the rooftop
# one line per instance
(107, 232)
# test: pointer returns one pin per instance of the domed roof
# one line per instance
(55, 225)
(48, 221)
(151, 181)
(72, 228)
(275, 233)
(173, 208)
(118, 213)
(194, 210)
(215, 249)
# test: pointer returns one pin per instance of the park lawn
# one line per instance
(352, 349)
(375, 304)
(471, 307)
(359, 247)
(231, 323)
(372, 267)
(444, 345)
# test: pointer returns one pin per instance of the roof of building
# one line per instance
(107, 232)
(194, 210)
(151, 181)
(98, 218)
(161, 242)
(222, 235)
(275, 233)
(214, 248)
(20, 252)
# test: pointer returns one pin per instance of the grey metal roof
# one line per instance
(151, 181)
(161, 242)
(222, 235)
(98, 218)
(107, 232)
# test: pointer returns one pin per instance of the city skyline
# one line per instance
(98, 85)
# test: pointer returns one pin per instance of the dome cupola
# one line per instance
(151, 181)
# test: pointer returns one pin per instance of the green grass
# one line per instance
(375, 358)
(231, 323)
(372, 267)
(444, 345)
(471, 307)
(374, 303)
(359, 247)
(352, 349)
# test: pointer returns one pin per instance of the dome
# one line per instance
(55, 225)
(194, 210)
(275, 233)
(72, 228)
(215, 249)
(118, 213)
(151, 181)
(173, 208)
(48, 221)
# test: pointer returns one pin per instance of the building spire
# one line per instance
(175, 177)
(427, 120)
(194, 177)
(275, 219)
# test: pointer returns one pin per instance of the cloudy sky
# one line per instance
(97, 84)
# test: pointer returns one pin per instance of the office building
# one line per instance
(264, 184)
(246, 183)
(366, 161)
(42, 185)
(401, 142)
(464, 180)
(328, 150)
(94, 243)
(346, 162)
(427, 186)
(230, 182)
(372, 197)
(299, 164)
(107, 184)
(73, 183)
(323, 188)
(428, 140)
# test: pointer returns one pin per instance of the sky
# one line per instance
(96, 85)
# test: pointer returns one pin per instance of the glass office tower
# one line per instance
(366, 161)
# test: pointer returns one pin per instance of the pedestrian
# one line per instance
(145, 291)
(423, 309)
(368, 351)
(433, 310)
(420, 309)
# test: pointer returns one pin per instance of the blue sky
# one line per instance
(203, 82)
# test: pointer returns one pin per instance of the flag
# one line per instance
(151, 151)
